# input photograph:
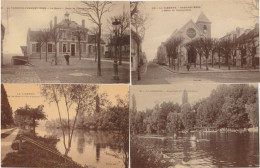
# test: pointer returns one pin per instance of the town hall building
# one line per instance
(67, 42)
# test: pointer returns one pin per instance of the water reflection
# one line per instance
(91, 148)
(209, 149)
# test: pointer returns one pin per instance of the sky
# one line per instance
(150, 95)
(23, 15)
(225, 16)
(21, 94)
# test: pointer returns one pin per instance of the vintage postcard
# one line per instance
(65, 42)
(195, 41)
(62, 125)
(195, 125)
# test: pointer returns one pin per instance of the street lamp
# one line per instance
(116, 25)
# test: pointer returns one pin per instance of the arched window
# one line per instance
(205, 29)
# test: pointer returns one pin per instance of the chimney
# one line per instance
(50, 24)
(55, 21)
(83, 23)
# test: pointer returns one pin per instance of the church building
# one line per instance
(190, 31)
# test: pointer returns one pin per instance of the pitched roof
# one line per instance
(91, 39)
(203, 18)
(33, 35)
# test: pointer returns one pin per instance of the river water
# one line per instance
(92, 148)
(209, 149)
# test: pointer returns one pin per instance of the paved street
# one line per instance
(79, 71)
(156, 74)
(7, 142)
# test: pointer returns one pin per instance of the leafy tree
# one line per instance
(6, 110)
(81, 97)
(174, 122)
(252, 110)
(30, 115)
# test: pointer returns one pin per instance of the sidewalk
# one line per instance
(203, 70)
(7, 142)
(104, 60)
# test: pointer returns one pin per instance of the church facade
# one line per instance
(68, 42)
(190, 31)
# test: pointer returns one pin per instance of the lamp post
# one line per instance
(116, 25)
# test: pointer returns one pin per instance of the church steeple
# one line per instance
(204, 25)
(185, 97)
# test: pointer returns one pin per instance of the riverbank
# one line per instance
(31, 155)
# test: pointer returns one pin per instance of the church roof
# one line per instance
(203, 18)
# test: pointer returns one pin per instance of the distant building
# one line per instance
(185, 106)
(189, 32)
(67, 42)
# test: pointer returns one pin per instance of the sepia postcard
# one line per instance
(195, 41)
(196, 125)
(65, 42)
(61, 125)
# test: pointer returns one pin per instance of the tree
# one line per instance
(252, 8)
(207, 47)
(138, 21)
(197, 45)
(172, 50)
(94, 31)
(6, 110)
(28, 116)
(2, 39)
(55, 34)
(174, 122)
(81, 97)
(227, 46)
(252, 110)
(40, 41)
(79, 33)
(124, 30)
(46, 35)
(94, 11)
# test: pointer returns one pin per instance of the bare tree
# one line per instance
(198, 47)
(79, 33)
(172, 50)
(55, 35)
(207, 47)
(40, 41)
(95, 11)
(2, 39)
(94, 31)
(138, 21)
(46, 38)
(226, 46)
(252, 8)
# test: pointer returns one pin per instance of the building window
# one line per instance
(205, 29)
(33, 47)
(49, 47)
(64, 48)
(38, 47)
(89, 49)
